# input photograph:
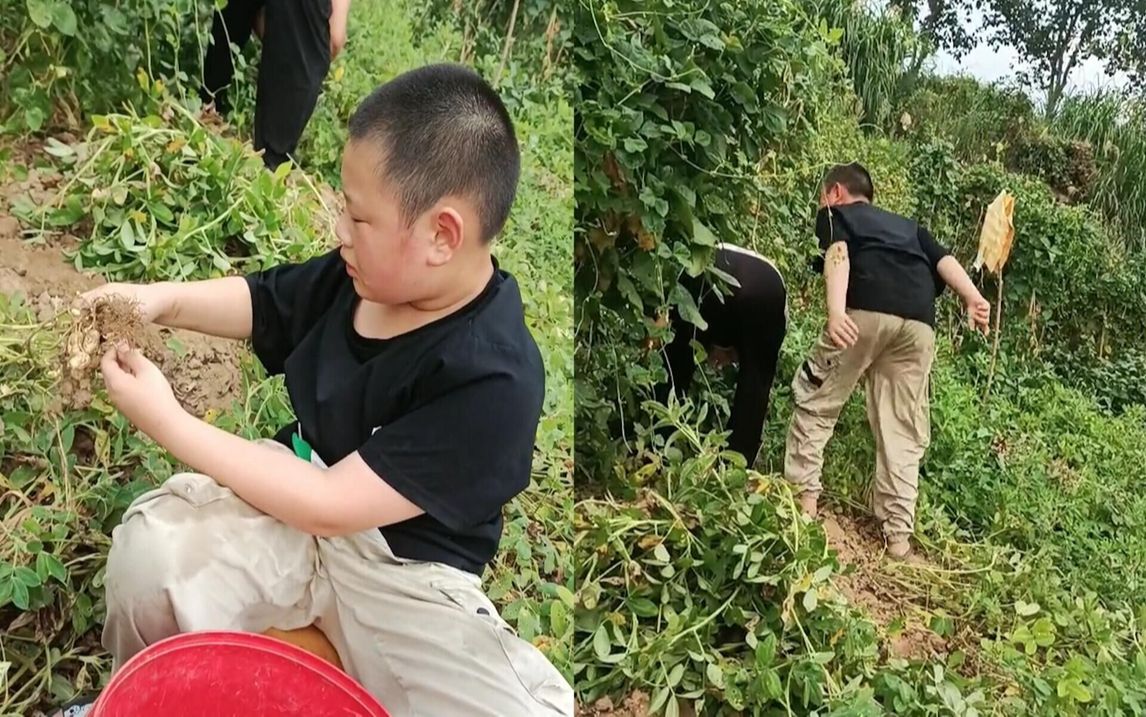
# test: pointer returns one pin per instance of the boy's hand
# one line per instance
(842, 330)
(139, 389)
(339, 15)
(979, 313)
(148, 298)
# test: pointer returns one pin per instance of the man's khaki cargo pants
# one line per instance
(895, 356)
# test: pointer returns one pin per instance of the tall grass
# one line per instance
(1116, 126)
(882, 53)
(980, 120)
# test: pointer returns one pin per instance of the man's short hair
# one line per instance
(854, 177)
(443, 130)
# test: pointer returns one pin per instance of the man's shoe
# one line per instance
(899, 547)
(808, 505)
(79, 707)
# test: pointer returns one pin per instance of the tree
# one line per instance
(941, 27)
(1054, 36)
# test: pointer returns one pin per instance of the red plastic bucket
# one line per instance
(232, 674)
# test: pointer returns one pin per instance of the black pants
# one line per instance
(294, 62)
(752, 321)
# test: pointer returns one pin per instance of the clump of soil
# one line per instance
(635, 705)
(96, 326)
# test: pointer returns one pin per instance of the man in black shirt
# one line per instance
(417, 389)
(745, 326)
(883, 273)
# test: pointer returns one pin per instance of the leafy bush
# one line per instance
(168, 199)
(705, 587)
(987, 118)
(61, 61)
(1067, 166)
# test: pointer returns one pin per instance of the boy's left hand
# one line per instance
(138, 389)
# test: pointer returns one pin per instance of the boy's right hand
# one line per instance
(842, 330)
(148, 297)
(979, 313)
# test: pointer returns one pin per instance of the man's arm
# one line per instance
(837, 266)
(978, 308)
(349, 497)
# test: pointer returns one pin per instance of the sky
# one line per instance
(987, 64)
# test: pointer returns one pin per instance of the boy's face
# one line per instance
(390, 261)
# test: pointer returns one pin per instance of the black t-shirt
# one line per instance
(894, 261)
(446, 414)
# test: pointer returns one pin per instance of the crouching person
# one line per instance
(417, 389)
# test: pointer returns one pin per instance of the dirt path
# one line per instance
(204, 372)
(870, 587)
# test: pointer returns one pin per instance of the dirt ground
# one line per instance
(206, 376)
(860, 544)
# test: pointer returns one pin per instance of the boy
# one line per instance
(883, 273)
(746, 327)
(418, 390)
(300, 40)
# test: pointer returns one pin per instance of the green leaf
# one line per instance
(127, 235)
(701, 85)
(675, 674)
(811, 600)
(687, 307)
(1073, 689)
(1026, 609)
(48, 565)
(661, 553)
(673, 708)
(766, 651)
(565, 594)
(703, 235)
(115, 20)
(643, 607)
(26, 576)
(715, 675)
(635, 145)
(602, 646)
(629, 290)
(20, 596)
(773, 688)
(64, 18)
(40, 13)
(34, 117)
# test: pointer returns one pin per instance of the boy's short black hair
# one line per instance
(443, 130)
(854, 177)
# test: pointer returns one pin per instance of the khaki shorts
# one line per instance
(422, 637)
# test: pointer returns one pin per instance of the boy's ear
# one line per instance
(449, 229)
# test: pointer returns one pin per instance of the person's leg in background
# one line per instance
(899, 413)
(294, 63)
(763, 322)
(231, 26)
